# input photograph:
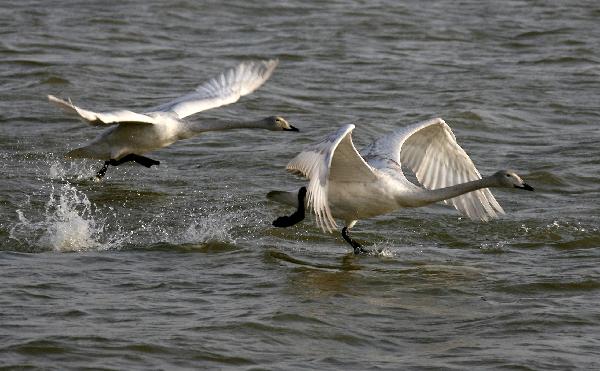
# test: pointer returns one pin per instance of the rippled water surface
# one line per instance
(178, 267)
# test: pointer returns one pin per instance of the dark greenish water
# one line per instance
(178, 267)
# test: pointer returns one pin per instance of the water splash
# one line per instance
(59, 216)
(77, 170)
(68, 223)
(181, 222)
(206, 230)
(206, 225)
(385, 249)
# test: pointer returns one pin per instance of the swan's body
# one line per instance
(132, 137)
(132, 134)
(351, 186)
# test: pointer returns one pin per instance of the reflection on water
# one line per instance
(314, 280)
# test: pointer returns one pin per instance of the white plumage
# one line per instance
(349, 185)
(224, 89)
(132, 133)
(430, 150)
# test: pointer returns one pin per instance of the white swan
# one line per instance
(347, 185)
(132, 134)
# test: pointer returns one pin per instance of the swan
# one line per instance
(351, 186)
(130, 135)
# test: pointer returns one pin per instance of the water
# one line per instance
(177, 267)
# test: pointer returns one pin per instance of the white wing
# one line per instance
(102, 118)
(333, 159)
(224, 89)
(430, 150)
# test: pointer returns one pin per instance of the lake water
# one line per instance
(178, 266)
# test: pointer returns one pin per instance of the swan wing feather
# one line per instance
(102, 118)
(430, 150)
(223, 89)
(334, 159)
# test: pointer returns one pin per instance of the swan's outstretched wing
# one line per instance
(224, 89)
(333, 159)
(430, 150)
(102, 118)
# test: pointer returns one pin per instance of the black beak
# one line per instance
(292, 128)
(526, 187)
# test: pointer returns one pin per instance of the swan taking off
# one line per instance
(132, 134)
(351, 186)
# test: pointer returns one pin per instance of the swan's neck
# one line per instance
(196, 128)
(429, 196)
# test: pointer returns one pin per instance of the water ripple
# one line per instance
(179, 266)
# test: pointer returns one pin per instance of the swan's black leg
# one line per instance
(101, 172)
(297, 216)
(144, 161)
(358, 249)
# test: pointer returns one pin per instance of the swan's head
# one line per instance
(278, 123)
(509, 179)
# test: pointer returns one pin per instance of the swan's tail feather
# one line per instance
(283, 197)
